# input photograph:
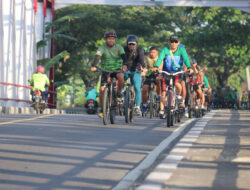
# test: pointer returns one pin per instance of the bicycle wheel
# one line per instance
(37, 108)
(127, 105)
(169, 117)
(157, 109)
(151, 104)
(190, 102)
(131, 105)
(172, 119)
(105, 106)
(112, 105)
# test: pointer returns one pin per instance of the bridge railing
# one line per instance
(22, 100)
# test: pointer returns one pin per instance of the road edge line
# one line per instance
(134, 174)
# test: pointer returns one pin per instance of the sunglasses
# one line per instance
(131, 44)
(174, 41)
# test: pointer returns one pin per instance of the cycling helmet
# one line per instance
(91, 85)
(110, 34)
(40, 69)
(132, 39)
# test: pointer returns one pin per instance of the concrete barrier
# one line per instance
(28, 110)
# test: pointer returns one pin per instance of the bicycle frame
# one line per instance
(129, 100)
(171, 106)
(109, 102)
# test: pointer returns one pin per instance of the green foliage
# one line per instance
(236, 80)
(75, 89)
(216, 37)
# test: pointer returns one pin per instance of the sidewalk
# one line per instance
(214, 154)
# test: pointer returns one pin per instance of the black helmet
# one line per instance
(110, 34)
(132, 39)
(91, 85)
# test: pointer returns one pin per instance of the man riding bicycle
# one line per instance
(135, 63)
(113, 58)
(198, 72)
(150, 62)
(207, 90)
(174, 56)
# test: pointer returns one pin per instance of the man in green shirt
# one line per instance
(113, 58)
(174, 56)
(38, 81)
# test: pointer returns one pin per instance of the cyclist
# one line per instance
(135, 63)
(244, 99)
(174, 56)
(198, 71)
(113, 58)
(235, 97)
(227, 95)
(150, 62)
(207, 89)
(38, 81)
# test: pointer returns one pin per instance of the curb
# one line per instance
(28, 110)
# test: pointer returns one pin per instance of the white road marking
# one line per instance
(170, 163)
(134, 174)
(150, 187)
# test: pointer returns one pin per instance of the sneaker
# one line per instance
(137, 111)
(144, 109)
(161, 114)
(182, 104)
(203, 107)
(179, 97)
(100, 114)
(119, 97)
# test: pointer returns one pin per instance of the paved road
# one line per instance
(72, 151)
(213, 155)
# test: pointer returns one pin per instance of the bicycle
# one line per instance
(191, 94)
(153, 105)
(109, 99)
(129, 101)
(171, 107)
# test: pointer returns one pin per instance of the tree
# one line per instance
(219, 40)
(216, 37)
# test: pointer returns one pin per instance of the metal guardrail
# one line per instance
(22, 86)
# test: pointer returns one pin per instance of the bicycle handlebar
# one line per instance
(172, 74)
(99, 69)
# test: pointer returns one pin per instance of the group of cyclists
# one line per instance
(229, 98)
(146, 67)
(130, 61)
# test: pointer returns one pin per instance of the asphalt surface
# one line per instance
(213, 155)
(72, 151)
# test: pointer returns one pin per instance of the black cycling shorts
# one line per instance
(149, 80)
(105, 76)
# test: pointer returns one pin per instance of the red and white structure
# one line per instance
(22, 24)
